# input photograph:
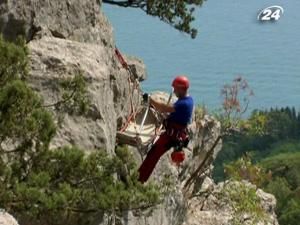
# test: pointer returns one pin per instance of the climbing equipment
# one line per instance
(134, 83)
(121, 59)
(181, 82)
(144, 135)
(180, 140)
(145, 116)
(165, 141)
(178, 157)
(141, 122)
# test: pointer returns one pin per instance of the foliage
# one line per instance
(275, 124)
(286, 146)
(75, 187)
(24, 124)
(283, 168)
(291, 213)
(200, 112)
(235, 102)
(236, 98)
(256, 124)
(178, 14)
(285, 186)
(244, 169)
(262, 134)
(280, 125)
(244, 201)
(285, 165)
(272, 137)
(22, 120)
(13, 60)
(74, 96)
(280, 188)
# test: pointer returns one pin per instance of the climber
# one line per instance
(175, 134)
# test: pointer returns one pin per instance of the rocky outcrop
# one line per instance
(7, 219)
(219, 204)
(81, 21)
(54, 60)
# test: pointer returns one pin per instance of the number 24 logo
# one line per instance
(270, 13)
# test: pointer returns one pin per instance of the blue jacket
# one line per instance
(183, 111)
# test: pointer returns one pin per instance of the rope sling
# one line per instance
(133, 84)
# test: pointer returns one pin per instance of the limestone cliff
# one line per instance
(70, 36)
(65, 37)
(7, 219)
(81, 21)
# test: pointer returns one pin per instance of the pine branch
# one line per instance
(129, 3)
(61, 101)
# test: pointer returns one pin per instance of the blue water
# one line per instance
(230, 42)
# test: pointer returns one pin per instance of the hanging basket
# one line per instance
(138, 135)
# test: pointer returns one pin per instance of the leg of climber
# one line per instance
(158, 149)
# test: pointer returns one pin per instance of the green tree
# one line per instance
(13, 60)
(285, 165)
(244, 169)
(22, 119)
(280, 188)
(74, 188)
(279, 124)
(263, 133)
(271, 137)
(25, 126)
(178, 14)
(73, 96)
(285, 186)
(291, 213)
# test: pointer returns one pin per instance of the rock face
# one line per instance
(7, 219)
(213, 205)
(53, 60)
(68, 37)
(81, 21)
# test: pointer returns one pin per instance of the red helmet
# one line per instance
(178, 157)
(181, 82)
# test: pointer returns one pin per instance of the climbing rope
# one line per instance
(133, 109)
(134, 83)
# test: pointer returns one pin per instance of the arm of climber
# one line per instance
(162, 107)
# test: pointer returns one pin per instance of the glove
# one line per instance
(146, 97)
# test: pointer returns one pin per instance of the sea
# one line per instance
(231, 42)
